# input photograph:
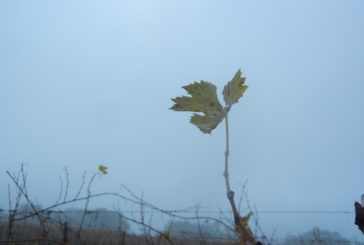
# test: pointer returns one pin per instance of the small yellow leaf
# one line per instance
(234, 89)
(103, 169)
(166, 235)
(244, 220)
(243, 229)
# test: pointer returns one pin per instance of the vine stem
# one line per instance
(229, 192)
(226, 171)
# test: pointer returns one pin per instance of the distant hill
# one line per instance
(100, 218)
(316, 236)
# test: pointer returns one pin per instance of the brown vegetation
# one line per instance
(50, 225)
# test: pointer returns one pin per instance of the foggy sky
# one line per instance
(84, 83)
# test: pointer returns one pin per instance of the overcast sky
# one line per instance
(84, 83)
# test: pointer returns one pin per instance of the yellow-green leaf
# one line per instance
(234, 89)
(243, 229)
(166, 234)
(203, 99)
(207, 123)
(103, 169)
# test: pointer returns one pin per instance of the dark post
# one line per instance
(65, 232)
(123, 236)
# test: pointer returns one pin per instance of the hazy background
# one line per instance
(84, 83)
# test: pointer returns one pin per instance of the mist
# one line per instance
(89, 83)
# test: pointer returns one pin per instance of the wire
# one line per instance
(201, 211)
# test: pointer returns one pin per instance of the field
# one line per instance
(27, 233)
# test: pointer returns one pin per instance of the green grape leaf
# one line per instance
(203, 99)
(234, 89)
